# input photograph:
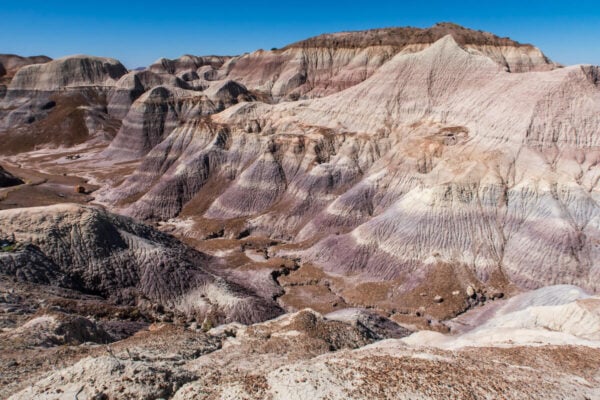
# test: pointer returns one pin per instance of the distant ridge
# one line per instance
(403, 36)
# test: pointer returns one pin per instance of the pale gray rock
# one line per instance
(110, 378)
(11, 63)
(156, 113)
(227, 93)
(373, 324)
(94, 251)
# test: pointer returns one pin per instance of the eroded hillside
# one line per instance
(441, 181)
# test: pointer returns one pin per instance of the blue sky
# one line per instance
(139, 32)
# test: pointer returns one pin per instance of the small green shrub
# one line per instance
(206, 325)
(8, 248)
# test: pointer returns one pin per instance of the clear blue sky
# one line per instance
(139, 32)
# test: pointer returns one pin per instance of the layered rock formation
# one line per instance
(394, 179)
(329, 63)
(187, 63)
(11, 63)
(61, 102)
(134, 84)
(433, 142)
(155, 114)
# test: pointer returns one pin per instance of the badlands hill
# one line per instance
(11, 63)
(94, 252)
(87, 97)
(369, 181)
(441, 181)
(66, 95)
(329, 63)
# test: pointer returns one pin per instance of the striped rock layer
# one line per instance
(441, 156)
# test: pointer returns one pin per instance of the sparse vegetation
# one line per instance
(7, 248)
(206, 325)
(8, 243)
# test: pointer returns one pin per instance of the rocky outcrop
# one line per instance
(153, 116)
(28, 263)
(557, 315)
(54, 119)
(227, 93)
(57, 329)
(102, 253)
(112, 378)
(306, 356)
(371, 323)
(515, 56)
(7, 179)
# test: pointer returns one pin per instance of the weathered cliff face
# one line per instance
(512, 55)
(442, 140)
(152, 117)
(93, 251)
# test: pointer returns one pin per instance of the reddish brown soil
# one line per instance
(42, 189)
